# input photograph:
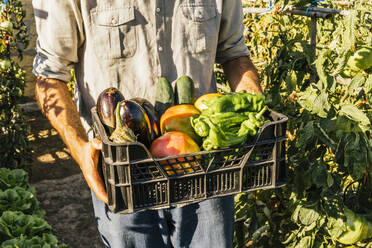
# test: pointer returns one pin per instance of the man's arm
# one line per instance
(55, 102)
(242, 75)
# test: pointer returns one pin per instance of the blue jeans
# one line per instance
(209, 223)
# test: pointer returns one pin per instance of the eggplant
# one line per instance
(152, 114)
(122, 134)
(106, 105)
(133, 116)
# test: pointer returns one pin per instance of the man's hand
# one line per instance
(89, 167)
(242, 75)
(55, 102)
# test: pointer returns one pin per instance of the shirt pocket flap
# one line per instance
(199, 13)
(113, 17)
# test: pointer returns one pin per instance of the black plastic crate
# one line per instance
(137, 181)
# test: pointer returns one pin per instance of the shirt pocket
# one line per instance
(201, 25)
(114, 32)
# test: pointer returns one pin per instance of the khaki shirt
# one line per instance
(129, 44)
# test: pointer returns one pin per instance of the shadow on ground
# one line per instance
(60, 187)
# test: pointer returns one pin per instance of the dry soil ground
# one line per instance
(60, 187)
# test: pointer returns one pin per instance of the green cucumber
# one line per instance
(164, 95)
(185, 91)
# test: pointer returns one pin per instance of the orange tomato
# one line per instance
(177, 118)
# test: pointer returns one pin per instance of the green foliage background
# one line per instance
(15, 150)
(329, 150)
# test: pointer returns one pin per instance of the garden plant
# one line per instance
(15, 150)
(327, 201)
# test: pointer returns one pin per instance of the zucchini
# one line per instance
(164, 95)
(184, 91)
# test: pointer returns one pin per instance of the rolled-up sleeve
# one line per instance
(60, 33)
(231, 43)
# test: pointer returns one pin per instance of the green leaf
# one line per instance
(14, 224)
(319, 64)
(305, 242)
(321, 105)
(19, 199)
(291, 81)
(354, 113)
(335, 227)
(46, 241)
(311, 226)
(368, 88)
(308, 215)
(368, 85)
(295, 214)
(359, 170)
(357, 81)
(319, 175)
(290, 238)
(306, 134)
(322, 134)
(12, 178)
(315, 101)
(306, 98)
(351, 21)
(330, 180)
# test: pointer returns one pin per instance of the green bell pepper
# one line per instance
(227, 129)
(238, 102)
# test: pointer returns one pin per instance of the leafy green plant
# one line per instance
(47, 240)
(21, 221)
(13, 224)
(13, 178)
(20, 199)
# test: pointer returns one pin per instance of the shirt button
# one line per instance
(157, 10)
(113, 20)
(160, 49)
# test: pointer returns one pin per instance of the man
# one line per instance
(129, 44)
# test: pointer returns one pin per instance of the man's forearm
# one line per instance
(242, 75)
(55, 102)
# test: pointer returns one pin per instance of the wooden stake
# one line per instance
(313, 31)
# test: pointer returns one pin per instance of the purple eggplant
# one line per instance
(133, 116)
(122, 134)
(152, 114)
(106, 105)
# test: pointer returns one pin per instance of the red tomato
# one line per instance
(175, 143)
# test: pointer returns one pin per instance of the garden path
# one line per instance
(60, 187)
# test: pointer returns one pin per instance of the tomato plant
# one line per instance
(15, 150)
(329, 150)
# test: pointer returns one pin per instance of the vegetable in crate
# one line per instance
(133, 116)
(177, 118)
(106, 104)
(164, 97)
(152, 114)
(122, 134)
(184, 91)
(200, 102)
(175, 143)
(237, 102)
(227, 129)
